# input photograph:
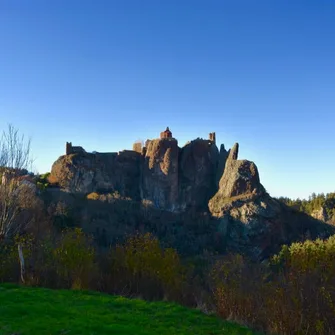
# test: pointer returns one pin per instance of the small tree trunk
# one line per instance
(21, 258)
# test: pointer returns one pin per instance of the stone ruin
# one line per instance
(166, 133)
(70, 149)
(138, 146)
(212, 137)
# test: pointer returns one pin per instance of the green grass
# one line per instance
(34, 311)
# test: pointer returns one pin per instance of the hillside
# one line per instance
(33, 311)
(320, 206)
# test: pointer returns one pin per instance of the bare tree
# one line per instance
(15, 195)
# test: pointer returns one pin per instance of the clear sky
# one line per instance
(104, 74)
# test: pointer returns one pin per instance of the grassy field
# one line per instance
(37, 311)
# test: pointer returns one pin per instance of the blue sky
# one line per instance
(104, 74)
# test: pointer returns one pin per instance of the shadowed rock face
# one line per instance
(258, 225)
(160, 173)
(197, 173)
(223, 156)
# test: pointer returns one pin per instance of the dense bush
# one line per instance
(237, 287)
(295, 294)
(9, 262)
(63, 262)
(305, 287)
(74, 259)
(141, 267)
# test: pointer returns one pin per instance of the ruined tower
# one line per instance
(212, 137)
(166, 134)
(68, 149)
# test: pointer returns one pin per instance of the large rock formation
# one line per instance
(259, 225)
(197, 173)
(240, 180)
(86, 173)
(160, 173)
(252, 222)
(199, 177)
(171, 178)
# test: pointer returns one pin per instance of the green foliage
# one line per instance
(31, 311)
(305, 284)
(309, 256)
(41, 186)
(9, 261)
(42, 181)
(315, 202)
(67, 262)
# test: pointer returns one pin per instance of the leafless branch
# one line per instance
(15, 160)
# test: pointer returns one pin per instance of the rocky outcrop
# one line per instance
(197, 173)
(258, 226)
(249, 220)
(223, 156)
(240, 180)
(320, 214)
(171, 178)
(86, 173)
(160, 173)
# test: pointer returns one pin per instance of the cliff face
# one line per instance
(198, 163)
(160, 173)
(240, 180)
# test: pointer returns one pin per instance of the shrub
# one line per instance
(237, 290)
(304, 285)
(9, 262)
(142, 267)
(74, 259)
